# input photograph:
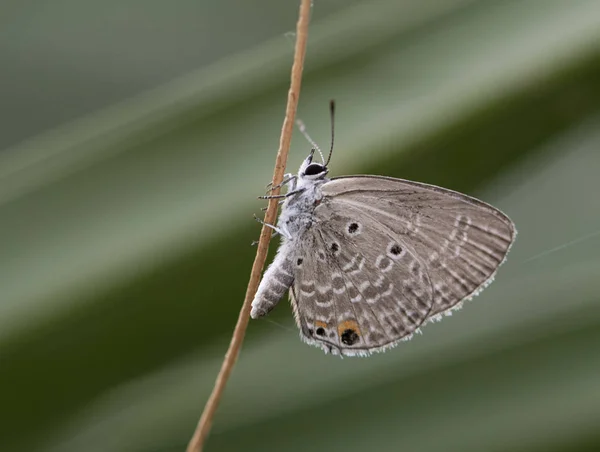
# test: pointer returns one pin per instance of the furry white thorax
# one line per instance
(297, 212)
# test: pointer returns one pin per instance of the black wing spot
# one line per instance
(349, 336)
(396, 250)
(335, 247)
(299, 261)
(352, 228)
(321, 331)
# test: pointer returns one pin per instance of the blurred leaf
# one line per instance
(518, 359)
(126, 242)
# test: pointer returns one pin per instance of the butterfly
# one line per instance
(368, 260)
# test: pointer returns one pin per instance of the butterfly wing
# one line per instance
(460, 240)
(312, 295)
(352, 297)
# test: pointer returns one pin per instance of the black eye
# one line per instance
(314, 168)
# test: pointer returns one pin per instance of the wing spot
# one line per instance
(354, 228)
(323, 290)
(338, 284)
(353, 293)
(363, 285)
(299, 261)
(351, 263)
(321, 331)
(395, 251)
(349, 337)
(335, 247)
(349, 332)
(389, 291)
(415, 269)
(371, 293)
(359, 268)
(383, 263)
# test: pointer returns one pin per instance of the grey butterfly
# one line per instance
(368, 260)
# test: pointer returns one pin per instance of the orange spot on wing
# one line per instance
(348, 325)
(318, 324)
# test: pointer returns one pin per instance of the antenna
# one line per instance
(332, 116)
(315, 146)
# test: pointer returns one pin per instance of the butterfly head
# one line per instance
(310, 170)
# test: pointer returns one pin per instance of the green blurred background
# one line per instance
(135, 137)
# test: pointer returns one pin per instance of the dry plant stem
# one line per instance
(205, 423)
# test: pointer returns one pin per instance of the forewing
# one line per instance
(359, 290)
(461, 241)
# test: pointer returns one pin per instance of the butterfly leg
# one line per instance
(264, 209)
(277, 230)
(288, 178)
(275, 283)
(255, 242)
(288, 194)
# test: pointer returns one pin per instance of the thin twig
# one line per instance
(202, 430)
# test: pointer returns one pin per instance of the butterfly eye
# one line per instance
(313, 169)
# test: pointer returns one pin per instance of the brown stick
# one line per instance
(203, 428)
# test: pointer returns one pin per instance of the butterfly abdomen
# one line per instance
(274, 285)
